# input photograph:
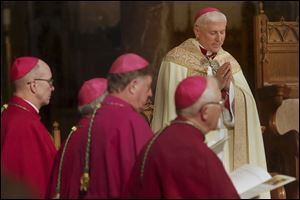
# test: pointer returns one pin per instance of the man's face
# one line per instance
(142, 92)
(213, 108)
(215, 111)
(211, 35)
(44, 85)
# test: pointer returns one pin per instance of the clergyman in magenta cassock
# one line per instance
(118, 130)
(67, 167)
(27, 150)
(177, 163)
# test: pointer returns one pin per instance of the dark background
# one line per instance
(79, 40)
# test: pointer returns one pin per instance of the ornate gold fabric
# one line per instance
(189, 55)
(240, 144)
(246, 144)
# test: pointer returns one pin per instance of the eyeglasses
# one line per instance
(50, 81)
(221, 103)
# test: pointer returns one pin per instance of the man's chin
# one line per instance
(46, 102)
(216, 50)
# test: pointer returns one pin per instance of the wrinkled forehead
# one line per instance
(218, 26)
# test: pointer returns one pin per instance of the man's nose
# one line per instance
(218, 37)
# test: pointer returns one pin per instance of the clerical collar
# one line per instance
(207, 53)
(35, 108)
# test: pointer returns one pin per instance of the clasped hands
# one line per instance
(224, 76)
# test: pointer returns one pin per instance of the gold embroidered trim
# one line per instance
(19, 106)
(85, 177)
(155, 138)
(4, 107)
(58, 183)
(188, 55)
(148, 150)
(240, 142)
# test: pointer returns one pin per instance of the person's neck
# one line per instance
(29, 99)
(201, 127)
(120, 95)
(202, 46)
(208, 52)
(123, 95)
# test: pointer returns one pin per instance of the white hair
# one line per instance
(208, 95)
(214, 16)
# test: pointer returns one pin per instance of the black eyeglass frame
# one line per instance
(49, 81)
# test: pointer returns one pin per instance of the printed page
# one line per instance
(247, 177)
(250, 181)
(271, 184)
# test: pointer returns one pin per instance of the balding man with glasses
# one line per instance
(176, 162)
(27, 150)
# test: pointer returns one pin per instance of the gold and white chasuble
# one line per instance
(245, 143)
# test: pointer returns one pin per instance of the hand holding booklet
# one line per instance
(250, 181)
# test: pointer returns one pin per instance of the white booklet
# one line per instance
(250, 181)
(217, 140)
(218, 146)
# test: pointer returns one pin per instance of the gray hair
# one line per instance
(118, 82)
(214, 16)
(208, 95)
(87, 109)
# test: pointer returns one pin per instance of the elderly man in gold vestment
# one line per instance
(204, 56)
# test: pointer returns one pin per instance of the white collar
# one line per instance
(208, 53)
(37, 110)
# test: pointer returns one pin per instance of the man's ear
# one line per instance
(196, 30)
(132, 86)
(32, 87)
(204, 114)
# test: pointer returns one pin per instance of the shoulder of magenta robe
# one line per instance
(180, 165)
(27, 150)
(72, 165)
(118, 135)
